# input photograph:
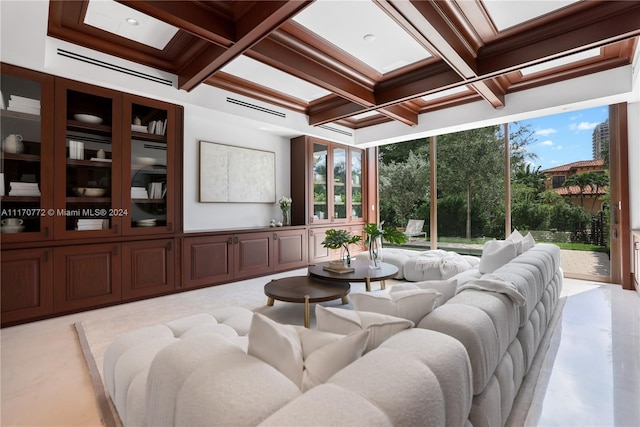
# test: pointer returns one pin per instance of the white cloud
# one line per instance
(583, 126)
(548, 142)
(553, 162)
(559, 147)
(545, 132)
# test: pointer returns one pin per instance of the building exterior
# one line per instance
(600, 141)
(556, 177)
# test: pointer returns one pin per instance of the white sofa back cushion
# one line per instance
(411, 305)
(341, 321)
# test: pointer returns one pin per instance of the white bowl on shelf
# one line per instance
(88, 118)
(89, 192)
(146, 222)
(10, 229)
(146, 160)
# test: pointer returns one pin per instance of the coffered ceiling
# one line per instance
(358, 63)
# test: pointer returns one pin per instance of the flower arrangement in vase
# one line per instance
(285, 207)
(375, 235)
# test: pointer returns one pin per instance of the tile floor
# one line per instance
(594, 381)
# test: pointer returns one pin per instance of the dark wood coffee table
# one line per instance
(305, 289)
(362, 273)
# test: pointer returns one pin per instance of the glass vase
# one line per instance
(286, 216)
(375, 254)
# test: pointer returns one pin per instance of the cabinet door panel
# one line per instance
(148, 268)
(252, 254)
(27, 285)
(290, 249)
(207, 260)
(86, 276)
(317, 252)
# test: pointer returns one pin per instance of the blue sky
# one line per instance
(564, 138)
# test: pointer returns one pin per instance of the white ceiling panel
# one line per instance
(507, 14)
(112, 17)
(259, 73)
(561, 61)
(445, 93)
(363, 30)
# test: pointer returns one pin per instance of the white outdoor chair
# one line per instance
(414, 228)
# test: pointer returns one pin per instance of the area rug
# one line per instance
(95, 335)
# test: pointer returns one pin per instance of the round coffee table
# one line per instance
(361, 273)
(305, 289)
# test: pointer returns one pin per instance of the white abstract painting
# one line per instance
(230, 174)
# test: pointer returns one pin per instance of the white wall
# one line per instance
(213, 126)
(633, 120)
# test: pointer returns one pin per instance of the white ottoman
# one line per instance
(128, 358)
(397, 257)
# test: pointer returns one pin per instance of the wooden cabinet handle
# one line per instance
(230, 240)
(275, 236)
(46, 232)
(170, 246)
(235, 240)
(170, 226)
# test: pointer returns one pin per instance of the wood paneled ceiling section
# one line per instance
(468, 51)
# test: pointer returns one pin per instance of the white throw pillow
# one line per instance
(516, 238)
(342, 321)
(528, 242)
(411, 304)
(307, 357)
(495, 254)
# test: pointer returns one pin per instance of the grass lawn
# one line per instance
(562, 245)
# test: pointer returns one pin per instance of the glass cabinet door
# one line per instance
(149, 157)
(339, 183)
(90, 199)
(356, 184)
(320, 206)
(26, 174)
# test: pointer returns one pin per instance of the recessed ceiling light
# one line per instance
(132, 21)
(369, 37)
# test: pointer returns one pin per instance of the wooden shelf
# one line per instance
(90, 163)
(148, 201)
(21, 157)
(19, 115)
(88, 199)
(16, 199)
(76, 125)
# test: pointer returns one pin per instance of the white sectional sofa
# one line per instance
(418, 266)
(462, 365)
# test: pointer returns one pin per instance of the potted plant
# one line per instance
(375, 234)
(340, 239)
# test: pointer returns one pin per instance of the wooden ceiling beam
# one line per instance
(247, 31)
(281, 52)
(609, 22)
(400, 113)
(190, 17)
(491, 91)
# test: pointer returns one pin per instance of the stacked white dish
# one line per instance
(151, 222)
(88, 118)
(89, 192)
(10, 229)
(139, 193)
(24, 189)
(90, 224)
(24, 105)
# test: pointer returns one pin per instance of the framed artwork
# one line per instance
(230, 174)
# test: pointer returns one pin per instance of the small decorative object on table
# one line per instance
(340, 239)
(375, 234)
(285, 206)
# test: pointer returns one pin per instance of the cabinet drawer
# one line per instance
(207, 260)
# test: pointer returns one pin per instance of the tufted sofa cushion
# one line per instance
(128, 359)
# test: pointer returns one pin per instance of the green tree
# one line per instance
(404, 186)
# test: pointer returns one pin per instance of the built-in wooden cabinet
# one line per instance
(27, 284)
(26, 169)
(318, 253)
(91, 192)
(148, 268)
(86, 276)
(329, 178)
(220, 258)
